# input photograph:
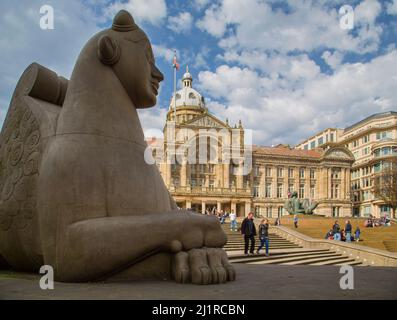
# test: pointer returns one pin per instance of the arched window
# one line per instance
(192, 96)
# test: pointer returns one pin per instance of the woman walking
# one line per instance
(264, 236)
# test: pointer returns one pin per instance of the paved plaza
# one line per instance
(253, 282)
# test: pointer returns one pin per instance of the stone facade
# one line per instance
(373, 142)
(257, 179)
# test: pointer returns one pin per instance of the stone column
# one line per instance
(203, 207)
(240, 177)
(274, 182)
(247, 207)
(343, 190)
(233, 207)
(188, 204)
(307, 182)
(296, 179)
(168, 173)
(218, 206)
(184, 172)
(226, 173)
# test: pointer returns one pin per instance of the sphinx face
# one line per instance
(136, 68)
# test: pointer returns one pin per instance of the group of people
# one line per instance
(372, 222)
(248, 230)
(346, 234)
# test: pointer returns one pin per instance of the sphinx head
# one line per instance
(126, 49)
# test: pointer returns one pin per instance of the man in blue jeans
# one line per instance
(348, 230)
(264, 236)
(336, 231)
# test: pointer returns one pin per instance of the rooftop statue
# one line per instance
(295, 206)
(75, 191)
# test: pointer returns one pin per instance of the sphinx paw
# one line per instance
(203, 266)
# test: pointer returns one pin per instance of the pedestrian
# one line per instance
(357, 233)
(264, 236)
(296, 221)
(249, 231)
(233, 221)
(336, 231)
(348, 230)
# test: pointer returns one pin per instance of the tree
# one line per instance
(385, 185)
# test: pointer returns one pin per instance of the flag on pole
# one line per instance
(175, 64)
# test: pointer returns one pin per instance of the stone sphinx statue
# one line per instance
(295, 206)
(75, 190)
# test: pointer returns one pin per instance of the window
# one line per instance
(280, 211)
(255, 191)
(334, 191)
(312, 174)
(312, 192)
(268, 171)
(290, 188)
(320, 141)
(331, 137)
(268, 212)
(355, 143)
(256, 171)
(335, 212)
(279, 172)
(279, 190)
(366, 138)
(192, 96)
(383, 135)
(312, 144)
(306, 147)
(366, 211)
(268, 190)
(366, 151)
(301, 191)
(335, 173)
(212, 184)
(290, 173)
(302, 173)
(175, 181)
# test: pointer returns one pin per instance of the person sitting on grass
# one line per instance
(329, 235)
(343, 235)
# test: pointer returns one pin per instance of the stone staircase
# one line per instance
(283, 251)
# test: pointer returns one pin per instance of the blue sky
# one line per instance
(285, 68)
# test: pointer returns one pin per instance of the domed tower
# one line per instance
(189, 103)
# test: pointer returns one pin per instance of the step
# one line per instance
(342, 261)
(260, 257)
(270, 248)
(331, 259)
(286, 258)
(274, 254)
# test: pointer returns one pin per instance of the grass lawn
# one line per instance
(384, 238)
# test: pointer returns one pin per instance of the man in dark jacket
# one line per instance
(249, 231)
(336, 231)
(348, 230)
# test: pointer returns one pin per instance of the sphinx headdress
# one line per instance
(124, 22)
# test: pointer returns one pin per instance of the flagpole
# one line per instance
(175, 66)
(175, 94)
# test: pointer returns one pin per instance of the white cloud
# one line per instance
(164, 52)
(23, 42)
(308, 26)
(182, 23)
(392, 7)
(151, 11)
(279, 112)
